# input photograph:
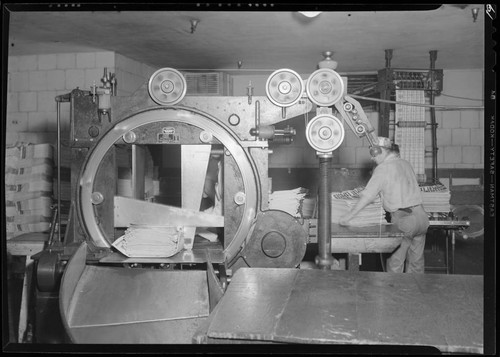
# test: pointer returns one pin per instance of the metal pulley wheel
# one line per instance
(278, 241)
(475, 215)
(167, 86)
(325, 133)
(325, 87)
(284, 87)
(48, 272)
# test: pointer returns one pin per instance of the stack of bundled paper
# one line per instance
(436, 198)
(140, 241)
(308, 207)
(28, 188)
(289, 201)
(343, 202)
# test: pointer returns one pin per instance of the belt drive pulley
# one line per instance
(193, 117)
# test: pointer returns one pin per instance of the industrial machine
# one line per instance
(130, 159)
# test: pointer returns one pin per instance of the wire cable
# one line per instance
(451, 107)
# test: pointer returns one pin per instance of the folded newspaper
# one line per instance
(140, 241)
(343, 202)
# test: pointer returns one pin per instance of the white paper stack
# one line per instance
(436, 198)
(141, 241)
(343, 202)
(289, 201)
(28, 188)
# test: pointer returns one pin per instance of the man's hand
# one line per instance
(344, 220)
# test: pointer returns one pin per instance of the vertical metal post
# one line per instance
(324, 260)
(433, 57)
(58, 212)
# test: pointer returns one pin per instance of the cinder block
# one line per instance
(460, 137)
(75, 78)
(481, 119)
(27, 63)
(46, 101)
(477, 136)
(452, 155)
(38, 80)
(13, 63)
(278, 157)
(471, 154)
(469, 119)
(93, 76)
(85, 60)
(443, 137)
(13, 102)
(294, 156)
(347, 155)
(309, 155)
(17, 122)
(19, 81)
(56, 79)
(52, 122)
(47, 62)
(28, 102)
(451, 119)
(363, 156)
(105, 59)
(37, 121)
(66, 60)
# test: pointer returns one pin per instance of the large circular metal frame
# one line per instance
(284, 87)
(325, 87)
(167, 86)
(86, 210)
(325, 133)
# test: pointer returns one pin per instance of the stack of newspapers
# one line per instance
(28, 188)
(141, 241)
(436, 198)
(343, 202)
(289, 201)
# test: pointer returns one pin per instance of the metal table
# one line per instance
(354, 241)
(350, 308)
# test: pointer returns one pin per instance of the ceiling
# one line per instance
(261, 40)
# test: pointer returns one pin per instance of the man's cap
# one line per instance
(384, 142)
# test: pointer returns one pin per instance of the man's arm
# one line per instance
(362, 203)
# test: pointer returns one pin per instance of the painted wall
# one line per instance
(34, 81)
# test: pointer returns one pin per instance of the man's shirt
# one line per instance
(396, 182)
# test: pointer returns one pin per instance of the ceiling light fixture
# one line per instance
(475, 12)
(328, 62)
(194, 24)
(310, 14)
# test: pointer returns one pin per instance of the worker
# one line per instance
(395, 181)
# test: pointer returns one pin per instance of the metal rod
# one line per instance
(433, 57)
(324, 260)
(58, 171)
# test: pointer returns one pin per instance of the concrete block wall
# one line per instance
(35, 80)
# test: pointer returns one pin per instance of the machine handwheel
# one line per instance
(325, 133)
(167, 86)
(284, 87)
(325, 87)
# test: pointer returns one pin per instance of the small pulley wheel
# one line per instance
(325, 133)
(325, 87)
(167, 86)
(48, 271)
(284, 87)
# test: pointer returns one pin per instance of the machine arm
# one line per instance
(355, 117)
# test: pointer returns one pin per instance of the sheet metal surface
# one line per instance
(117, 296)
(342, 307)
